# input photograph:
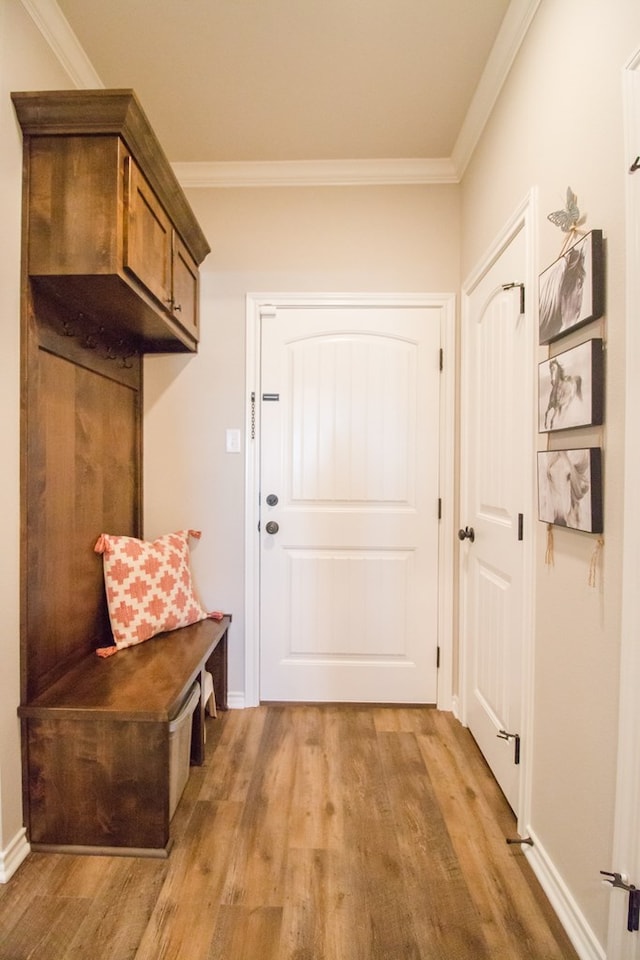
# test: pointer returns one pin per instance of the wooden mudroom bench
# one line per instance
(110, 274)
(97, 742)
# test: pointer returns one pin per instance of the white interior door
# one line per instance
(496, 474)
(349, 417)
(622, 943)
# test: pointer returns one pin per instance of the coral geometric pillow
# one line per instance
(149, 588)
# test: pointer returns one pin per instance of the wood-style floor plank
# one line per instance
(257, 869)
(117, 915)
(312, 832)
(434, 875)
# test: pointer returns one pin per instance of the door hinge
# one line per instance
(521, 526)
(633, 912)
(503, 735)
(253, 415)
(510, 286)
(439, 508)
(437, 658)
(441, 361)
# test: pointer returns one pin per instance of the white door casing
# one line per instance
(622, 944)
(497, 484)
(335, 539)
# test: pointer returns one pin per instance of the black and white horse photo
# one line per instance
(570, 388)
(570, 489)
(565, 389)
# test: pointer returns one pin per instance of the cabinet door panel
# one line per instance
(185, 287)
(147, 248)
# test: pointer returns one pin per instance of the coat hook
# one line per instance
(635, 165)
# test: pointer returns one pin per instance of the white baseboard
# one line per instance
(571, 917)
(13, 855)
(235, 700)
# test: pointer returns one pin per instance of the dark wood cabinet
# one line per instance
(111, 251)
(110, 233)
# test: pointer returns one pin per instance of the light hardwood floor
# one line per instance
(311, 833)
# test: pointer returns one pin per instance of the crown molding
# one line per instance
(54, 27)
(513, 30)
(316, 173)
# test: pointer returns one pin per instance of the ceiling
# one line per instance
(294, 80)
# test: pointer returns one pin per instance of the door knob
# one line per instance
(272, 527)
(467, 534)
(272, 500)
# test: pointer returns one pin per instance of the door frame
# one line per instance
(522, 219)
(262, 304)
(625, 852)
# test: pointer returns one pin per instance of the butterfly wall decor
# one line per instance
(568, 219)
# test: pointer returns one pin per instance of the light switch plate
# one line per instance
(233, 440)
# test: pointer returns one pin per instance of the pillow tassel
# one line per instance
(106, 651)
(102, 544)
(196, 534)
(215, 615)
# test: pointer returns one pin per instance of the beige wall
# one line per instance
(559, 123)
(362, 239)
(25, 63)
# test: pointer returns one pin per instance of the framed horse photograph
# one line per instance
(571, 290)
(571, 388)
(570, 488)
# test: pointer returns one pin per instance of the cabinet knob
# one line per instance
(177, 307)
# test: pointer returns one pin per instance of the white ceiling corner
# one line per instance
(57, 31)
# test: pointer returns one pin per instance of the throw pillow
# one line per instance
(149, 588)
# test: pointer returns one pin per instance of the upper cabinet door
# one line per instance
(185, 288)
(147, 236)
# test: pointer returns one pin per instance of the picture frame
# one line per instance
(571, 290)
(570, 488)
(571, 388)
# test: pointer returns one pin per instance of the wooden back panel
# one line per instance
(82, 477)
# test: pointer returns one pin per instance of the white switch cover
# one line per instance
(233, 440)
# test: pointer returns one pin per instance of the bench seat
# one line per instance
(97, 742)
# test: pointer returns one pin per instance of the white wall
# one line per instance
(559, 123)
(26, 63)
(269, 240)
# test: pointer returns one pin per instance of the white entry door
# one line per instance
(496, 505)
(349, 503)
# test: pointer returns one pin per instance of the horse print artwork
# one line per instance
(570, 388)
(570, 488)
(571, 290)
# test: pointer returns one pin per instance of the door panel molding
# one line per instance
(262, 304)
